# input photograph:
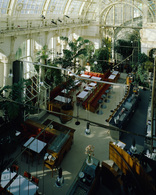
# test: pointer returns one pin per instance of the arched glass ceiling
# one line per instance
(56, 7)
(29, 6)
(4, 6)
(88, 9)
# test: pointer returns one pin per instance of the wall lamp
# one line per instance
(59, 20)
(10, 74)
(42, 16)
(66, 16)
(53, 22)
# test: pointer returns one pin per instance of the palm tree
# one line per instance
(78, 49)
(43, 56)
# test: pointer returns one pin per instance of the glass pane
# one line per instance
(31, 6)
(56, 7)
(4, 6)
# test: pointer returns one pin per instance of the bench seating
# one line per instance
(32, 129)
(104, 76)
(93, 104)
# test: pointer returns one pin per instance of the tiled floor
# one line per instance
(74, 159)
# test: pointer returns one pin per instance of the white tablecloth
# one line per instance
(62, 99)
(92, 84)
(112, 76)
(65, 91)
(85, 75)
(76, 82)
(36, 145)
(7, 175)
(88, 88)
(97, 78)
(115, 72)
(82, 95)
(22, 186)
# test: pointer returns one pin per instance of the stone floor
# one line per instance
(74, 159)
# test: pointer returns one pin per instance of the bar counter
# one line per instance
(86, 180)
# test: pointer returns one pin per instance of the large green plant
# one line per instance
(142, 68)
(53, 76)
(43, 56)
(124, 47)
(13, 103)
(78, 49)
(101, 57)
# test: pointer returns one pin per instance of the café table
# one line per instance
(62, 99)
(76, 82)
(6, 177)
(65, 91)
(36, 146)
(85, 75)
(92, 84)
(23, 186)
(82, 95)
(115, 72)
(112, 77)
(96, 78)
(87, 88)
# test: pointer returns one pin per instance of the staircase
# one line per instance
(36, 94)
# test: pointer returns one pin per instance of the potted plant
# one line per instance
(101, 57)
(12, 104)
(77, 50)
(43, 56)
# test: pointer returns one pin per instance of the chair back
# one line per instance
(35, 180)
(14, 168)
(26, 174)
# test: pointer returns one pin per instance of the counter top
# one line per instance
(84, 184)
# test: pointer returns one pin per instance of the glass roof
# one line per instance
(56, 7)
(3, 6)
(29, 6)
(89, 9)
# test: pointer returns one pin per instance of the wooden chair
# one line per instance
(14, 168)
(35, 180)
(27, 175)
(29, 156)
(51, 165)
(78, 93)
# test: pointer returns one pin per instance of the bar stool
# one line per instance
(107, 91)
(103, 97)
(111, 91)
(100, 112)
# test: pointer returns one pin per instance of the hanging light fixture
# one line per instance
(66, 16)
(53, 22)
(42, 16)
(59, 20)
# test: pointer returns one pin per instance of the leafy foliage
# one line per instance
(43, 53)
(78, 49)
(124, 47)
(142, 58)
(43, 56)
(101, 56)
(14, 101)
(53, 76)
